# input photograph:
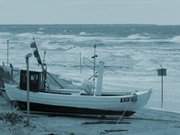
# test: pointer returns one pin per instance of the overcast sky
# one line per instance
(89, 11)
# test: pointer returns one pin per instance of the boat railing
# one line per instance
(66, 91)
(116, 93)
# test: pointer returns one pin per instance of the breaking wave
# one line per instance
(54, 41)
(176, 39)
(5, 33)
(138, 37)
(83, 34)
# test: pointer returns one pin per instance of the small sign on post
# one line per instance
(162, 72)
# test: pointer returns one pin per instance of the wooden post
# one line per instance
(28, 102)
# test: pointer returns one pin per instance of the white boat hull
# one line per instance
(76, 103)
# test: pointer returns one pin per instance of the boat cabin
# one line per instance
(36, 80)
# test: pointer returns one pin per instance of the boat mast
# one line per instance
(94, 68)
(38, 58)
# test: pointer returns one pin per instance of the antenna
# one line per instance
(44, 57)
(94, 67)
(34, 39)
(7, 52)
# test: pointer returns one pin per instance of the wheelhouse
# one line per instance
(36, 80)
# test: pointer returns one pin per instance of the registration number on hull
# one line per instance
(129, 99)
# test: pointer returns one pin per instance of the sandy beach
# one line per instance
(144, 122)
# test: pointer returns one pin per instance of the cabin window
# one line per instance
(32, 78)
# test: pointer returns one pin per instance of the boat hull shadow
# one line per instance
(62, 110)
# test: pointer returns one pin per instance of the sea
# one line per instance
(132, 55)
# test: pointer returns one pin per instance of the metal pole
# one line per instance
(162, 95)
(28, 121)
(94, 69)
(7, 52)
(28, 102)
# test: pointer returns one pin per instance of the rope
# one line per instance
(55, 80)
(118, 121)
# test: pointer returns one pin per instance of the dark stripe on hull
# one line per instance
(69, 110)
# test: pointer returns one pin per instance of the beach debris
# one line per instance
(105, 122)
(107, 131)
(11, 117)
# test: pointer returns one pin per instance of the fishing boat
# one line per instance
(79, 101)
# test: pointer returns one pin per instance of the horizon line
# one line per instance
(90, 24)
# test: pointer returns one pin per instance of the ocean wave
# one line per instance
(41, 28)
(135, 41)
(94, 34)
(25, 36)
(138, 37)
(5, 33)
(133, 38)
(48, 45)
(86, 39)
(40, 32)
(176, 39)
(83, 34)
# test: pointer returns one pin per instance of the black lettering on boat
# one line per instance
(129, 99)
